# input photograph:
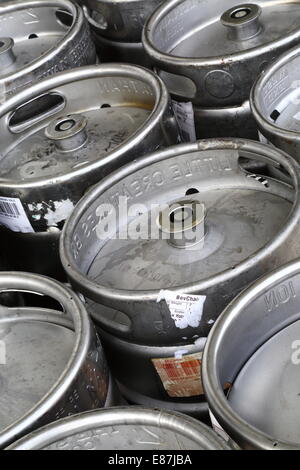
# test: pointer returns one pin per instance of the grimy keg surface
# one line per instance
(37, 156)
(266, 392)
(238, 223)
(39, 39)
(36, 354)
(211, 51)
(124, 429)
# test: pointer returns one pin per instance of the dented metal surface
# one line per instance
(39, 39)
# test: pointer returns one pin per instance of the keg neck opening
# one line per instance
(68, 132)
(182, 223)
(242, 21)
(7, 56)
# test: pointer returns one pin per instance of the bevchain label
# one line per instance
(186, 310)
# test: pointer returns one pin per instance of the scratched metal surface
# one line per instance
(46, 39)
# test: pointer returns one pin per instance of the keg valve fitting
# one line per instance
(7, 56)
(183, 223)
(68, 132)
(242, 21)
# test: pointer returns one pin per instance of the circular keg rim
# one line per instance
(165, 59)
(161, 97)
(71, 303)
(173, 421)
(78, 19)
(255, 97)
(97, 292)
(228, 418)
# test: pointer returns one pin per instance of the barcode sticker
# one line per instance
(181, 377)
(13, 216)
(184, 113)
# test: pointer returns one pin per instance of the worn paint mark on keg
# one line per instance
(279, 296)
(181, 377)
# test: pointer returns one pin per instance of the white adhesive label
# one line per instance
(218, 428)
(186, 310)
(13, 216)
(184, 113)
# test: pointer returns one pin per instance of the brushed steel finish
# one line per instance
(40, 38)
(124, 429)
(274, 103)
(251, 348)
(198, 41)
(242, 209)
(54, 363)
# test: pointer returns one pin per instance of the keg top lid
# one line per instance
(184, 217)
(35, 347)
(216, 29)
(29, 32)
(124, 428)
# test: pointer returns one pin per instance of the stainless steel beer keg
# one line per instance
(51, 362)
(253, 353)
(275, 102)
(64, 134)
(125, 246)
(126, 428)
(38, 39)
(210, 51)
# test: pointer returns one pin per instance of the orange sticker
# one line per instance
(180, 377)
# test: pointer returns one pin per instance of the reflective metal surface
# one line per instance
(120, 20)
(254, 349)
(275, 103)
(125, 112)
(211, 51)
(52, 363)
(252, 224)
(124, 429)
(39, 39)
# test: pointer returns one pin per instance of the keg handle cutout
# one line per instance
(243, 21)
(34, 111)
